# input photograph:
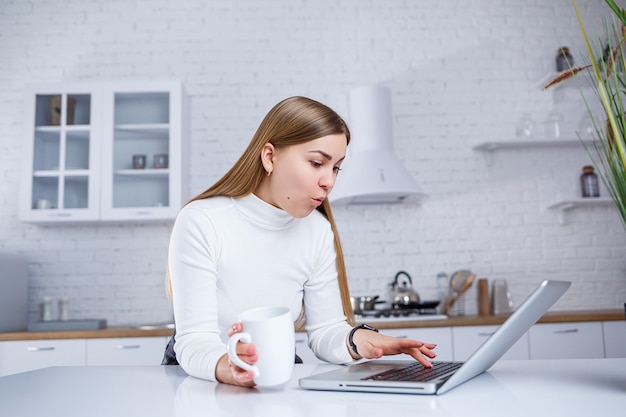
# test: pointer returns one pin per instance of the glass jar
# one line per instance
(564, 60)
(589, 185)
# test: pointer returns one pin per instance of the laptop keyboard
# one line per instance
(415, 372)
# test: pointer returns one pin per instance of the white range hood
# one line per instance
(372, 173)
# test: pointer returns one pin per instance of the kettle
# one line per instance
(402, 293)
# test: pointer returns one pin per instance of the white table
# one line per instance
(511, 388)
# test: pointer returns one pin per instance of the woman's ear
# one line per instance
(267, 157)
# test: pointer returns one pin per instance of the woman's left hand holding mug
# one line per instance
(229, 373)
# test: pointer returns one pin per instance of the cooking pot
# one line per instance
(364, 303)
(402, 293)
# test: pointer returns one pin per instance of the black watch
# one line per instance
(354, 329)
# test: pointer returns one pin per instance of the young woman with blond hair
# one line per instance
(264, 234)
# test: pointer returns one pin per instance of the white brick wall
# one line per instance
(460, 73)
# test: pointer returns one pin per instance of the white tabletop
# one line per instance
(510, 388)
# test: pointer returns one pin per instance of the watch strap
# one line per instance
(354, 329)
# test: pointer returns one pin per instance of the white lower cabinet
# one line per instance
(614, 333)
(467, 339)
(566, 340)
(27, 355)
(136, 351)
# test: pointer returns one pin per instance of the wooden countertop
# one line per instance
(551, 317)
(110, 332)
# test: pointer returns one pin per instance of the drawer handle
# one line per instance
(403, 336)
(485, 334)
(40, 349)
(564, 331)
(121, 347)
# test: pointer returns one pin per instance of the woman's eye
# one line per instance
(336, 170)
(316, 164)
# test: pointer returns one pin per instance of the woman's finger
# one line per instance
(235, 328)
(241, 376)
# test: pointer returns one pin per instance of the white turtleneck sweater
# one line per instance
(228, 255)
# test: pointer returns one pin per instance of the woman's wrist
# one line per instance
(351, 344)
(222, 370)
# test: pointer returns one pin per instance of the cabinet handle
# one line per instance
(485, 334)
(144, 213)
(59, 214)
(40, 349)
(121, 347)
(563, 331)
(403, 336)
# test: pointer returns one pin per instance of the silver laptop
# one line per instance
(412, 378)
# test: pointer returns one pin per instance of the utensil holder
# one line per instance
(458, 308)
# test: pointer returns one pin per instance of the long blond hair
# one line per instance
(292, 121)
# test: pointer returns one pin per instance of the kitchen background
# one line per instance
(461, 74)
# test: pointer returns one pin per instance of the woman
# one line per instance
(264, 234)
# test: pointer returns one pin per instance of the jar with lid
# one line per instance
(589, 185)
(564, 59)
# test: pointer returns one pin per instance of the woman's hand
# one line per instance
(229, 373)
(373, 345)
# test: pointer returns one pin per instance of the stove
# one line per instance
(399, 314)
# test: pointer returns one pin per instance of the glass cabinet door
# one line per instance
(141, 182)
(141, 142)
(60, 182)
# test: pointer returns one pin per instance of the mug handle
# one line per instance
(232, 352)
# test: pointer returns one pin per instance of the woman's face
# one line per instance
(302, 175)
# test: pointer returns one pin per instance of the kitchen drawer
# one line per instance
(469, 338)
(614, 333)
(441, 336)
(125, 351)
(27, 355)
(566, 340)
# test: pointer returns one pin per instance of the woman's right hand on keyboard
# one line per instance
(373, 345)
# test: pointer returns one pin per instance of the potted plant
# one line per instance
(606, 70)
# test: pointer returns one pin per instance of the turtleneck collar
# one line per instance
(262, 212)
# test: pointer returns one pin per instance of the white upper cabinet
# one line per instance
(103, 152)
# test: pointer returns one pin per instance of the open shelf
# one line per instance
(565, 205)
(490, 147)
(510, 144)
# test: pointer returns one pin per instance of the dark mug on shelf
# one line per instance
(139, 161)
(160, 160)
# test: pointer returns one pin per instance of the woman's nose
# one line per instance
(327, 180)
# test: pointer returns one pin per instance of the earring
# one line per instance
(269, 172)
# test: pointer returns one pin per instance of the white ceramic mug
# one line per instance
(43, 204)
(271, 331)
